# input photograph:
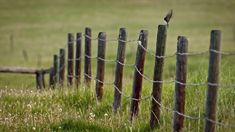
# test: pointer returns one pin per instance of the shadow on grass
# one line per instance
(71, 125)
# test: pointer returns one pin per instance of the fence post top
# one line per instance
(79, 33)
(62, 50)
(87, 28)
(145, 32)
(70, 34)
(102, 34)
(122, 31)
(162, 26)
(215, 31)
(182, 39)
(182, 44)
(122, 28)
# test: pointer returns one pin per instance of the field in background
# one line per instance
(40, 28)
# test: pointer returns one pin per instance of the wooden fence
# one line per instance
(58, 72)
(39, 73)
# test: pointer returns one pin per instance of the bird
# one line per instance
(168, 17)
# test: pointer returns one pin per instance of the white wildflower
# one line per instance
(34, 128)
(105, 114)
(91, 116)
(29, 106)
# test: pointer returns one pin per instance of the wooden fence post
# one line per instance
(55, 72)
(158, 73)
(181, 76)
(213, 81)
(70, 59)
(40, 83)
(100, 65)
(78, 59)
(139, 67)
(87, 59)
(61, 67)
(51, 80)
(119, 69)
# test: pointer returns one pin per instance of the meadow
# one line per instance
(39, 29)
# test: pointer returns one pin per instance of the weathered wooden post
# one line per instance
(51, 75)
(100, 65)
(181, 76)
(78, 59)
(61, 66)
(139, 69)
(40, 80)
(70, 59)
(87, 59)
(119, 69)
(213, 81)
(158, 73)
(55, 71)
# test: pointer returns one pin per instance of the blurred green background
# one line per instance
(32, 31)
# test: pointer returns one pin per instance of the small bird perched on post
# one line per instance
(168, 17)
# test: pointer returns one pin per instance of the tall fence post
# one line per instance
(100, 65)
(70, 59)
(213, 81)
(158, 73)
(181, 76)
(119, 69)
(61, 66)
(87, 59)
(55, 72)
(139, 69)
(78, 59)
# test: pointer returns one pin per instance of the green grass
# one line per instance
(40, 28)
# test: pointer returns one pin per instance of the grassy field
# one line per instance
(39, 29)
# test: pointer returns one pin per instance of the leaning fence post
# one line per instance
(70, 59)
(78, 59)
(87, 59)
(100, 65)
(119, 69)
(158, 73)
(181, 76)
(61, 66)
(139, 69)
(213, 81)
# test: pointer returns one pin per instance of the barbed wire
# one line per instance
(220, 123)
(174, 111)
(223, 53)
(127, 96)
(191, 117)
(193, 53)
(157, 81)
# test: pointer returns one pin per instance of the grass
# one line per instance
(40, 28)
